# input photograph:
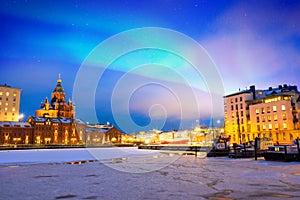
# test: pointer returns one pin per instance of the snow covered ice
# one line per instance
(129, 173)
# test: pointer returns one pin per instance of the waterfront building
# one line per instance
(273, 113)
(55, 123)
(15, 133)
(47, 130)
(9, 103)
(99, 134)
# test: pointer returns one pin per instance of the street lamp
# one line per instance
(20, 117)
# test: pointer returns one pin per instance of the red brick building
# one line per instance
(15, 133)
(56, 130)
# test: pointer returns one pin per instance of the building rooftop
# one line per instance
(280, 90)
(238, 93)
(15, 124)
(55, 120)
(260, 94)
(8, 86)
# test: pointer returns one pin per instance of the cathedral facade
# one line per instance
(55, 123)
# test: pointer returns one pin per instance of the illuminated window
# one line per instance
(258, 127)
(15, 94)
(264, 126)
(263, 118)
(1, 93)
(7, 94)
(268, 109)
(262, 110)
(285, 125)
(275, 117)
(5, 109)
(257, 111)
(282, 107)
(284, 116)
(13, 109)
(0, 103)
(6, 104)
(233, 115)
(276, 126)
(274, 108)
(270, 126)
(269, 118)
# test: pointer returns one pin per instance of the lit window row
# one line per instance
(13, 109)
(274, 109)
(269, 117)
(7, 93)
(270, 126)
(277, 99)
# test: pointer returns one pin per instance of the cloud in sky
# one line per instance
(154, 100)
(256, 44)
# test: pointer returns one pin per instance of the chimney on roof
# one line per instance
(280, 87)
(252, 89)
(270, 88)
(294, 87)
(284, 85)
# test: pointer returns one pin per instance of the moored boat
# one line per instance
(282, 153)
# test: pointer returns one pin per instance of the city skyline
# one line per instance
(248, 45)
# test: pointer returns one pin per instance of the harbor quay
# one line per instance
(131, 173)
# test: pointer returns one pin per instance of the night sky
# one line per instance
(250, 42)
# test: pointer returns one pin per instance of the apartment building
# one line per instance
(9, 103)
(273, 113)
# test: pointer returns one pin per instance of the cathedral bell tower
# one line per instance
(57, 107)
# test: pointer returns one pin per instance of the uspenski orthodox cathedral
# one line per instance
(54, 122)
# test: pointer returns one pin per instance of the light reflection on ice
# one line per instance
(128, 159)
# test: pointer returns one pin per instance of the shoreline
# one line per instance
(58, 146)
